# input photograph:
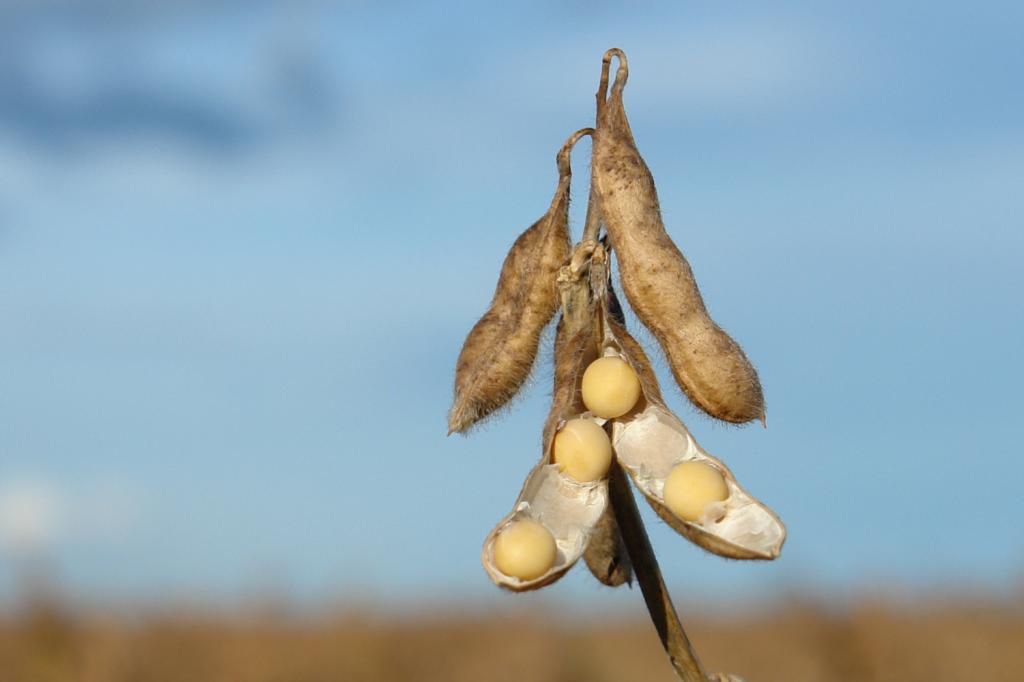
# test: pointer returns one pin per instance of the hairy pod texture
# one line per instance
(573, 352)
(500, 350)
(570, 510)
(707, 363)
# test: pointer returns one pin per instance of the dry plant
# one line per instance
(871, 639)
(608, 420)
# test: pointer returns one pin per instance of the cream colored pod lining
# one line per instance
(650, 441)
(569, 510)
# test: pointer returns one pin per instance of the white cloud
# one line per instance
(30, 512)
(36, 514)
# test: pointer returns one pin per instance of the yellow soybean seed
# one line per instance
(691, 487)
(525, 550)
(610, 387)
(583, 450)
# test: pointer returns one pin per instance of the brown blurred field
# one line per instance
(795, 643)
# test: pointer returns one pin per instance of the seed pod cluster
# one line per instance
(500, 350)
(607, 416)
(707, 363)
(606, 401)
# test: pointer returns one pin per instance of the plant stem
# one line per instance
(645, 566)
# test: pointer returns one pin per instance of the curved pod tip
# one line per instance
(621, 74)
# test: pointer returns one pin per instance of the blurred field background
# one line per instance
(802, 642)
(242, 242)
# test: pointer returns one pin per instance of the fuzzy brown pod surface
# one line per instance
(500, 350)
(707, 363)
(569, 510)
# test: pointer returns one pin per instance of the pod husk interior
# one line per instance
(567, 508)
(650, 441)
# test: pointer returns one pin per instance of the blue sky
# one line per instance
(241, 244)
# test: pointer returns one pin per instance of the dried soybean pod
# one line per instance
(500, 350)
(577, 339)
(568, 509)
(650, 441)
(707, 363)
(606, 554)
(574, 350)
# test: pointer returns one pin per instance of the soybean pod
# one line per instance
(707, 363)
(500, 349)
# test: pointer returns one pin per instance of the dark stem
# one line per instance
(645, 567)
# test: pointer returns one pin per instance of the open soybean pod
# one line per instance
(651, 443)
(555, 515)
(500, 350)
(707, 363)
(566, 509)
